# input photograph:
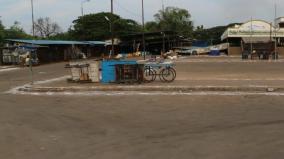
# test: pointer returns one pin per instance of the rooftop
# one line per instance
(56, 42)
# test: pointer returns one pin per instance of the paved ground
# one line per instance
(143, 127)
(213, 71)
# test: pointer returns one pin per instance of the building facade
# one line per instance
(255, 35)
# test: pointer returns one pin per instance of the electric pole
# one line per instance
(112, 6)
(82, 9)
(143, 32)
(30, 55)
(163, 6)
(33, 26)
(275, 32)
(82, 6)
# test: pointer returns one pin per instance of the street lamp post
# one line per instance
(82, 6)
(112, 35)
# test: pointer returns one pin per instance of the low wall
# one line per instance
(235, 51)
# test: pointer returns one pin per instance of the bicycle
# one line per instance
(166, 72)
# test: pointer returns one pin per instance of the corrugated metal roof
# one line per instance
(96, 42)
(57, 42)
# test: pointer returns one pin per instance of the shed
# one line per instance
(60, 50)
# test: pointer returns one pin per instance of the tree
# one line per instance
(211, 35)
(2, 33)
(97, 26)
(152, 27)
(62, 36)
(16, 32)
(124, 27)
(172, 19)
(45, 28)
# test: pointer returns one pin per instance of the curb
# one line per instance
(154, 89)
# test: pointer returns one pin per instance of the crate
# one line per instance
(129, 73)
(108, 69)
(85, 71)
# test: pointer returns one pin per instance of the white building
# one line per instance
(257, 33)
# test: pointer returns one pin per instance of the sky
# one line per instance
(209, 13)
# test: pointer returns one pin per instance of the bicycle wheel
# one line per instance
(167, 75)
(174, 71)
(149, 75)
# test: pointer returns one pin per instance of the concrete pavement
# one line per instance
(141, 126)
(193, 74)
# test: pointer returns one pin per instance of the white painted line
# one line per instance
(16, 89)
(8, 69)
(226, 61)
(52, 80)
(5, 67)
(231, 79)
(134, 93)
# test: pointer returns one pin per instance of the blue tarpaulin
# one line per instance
(215, 52)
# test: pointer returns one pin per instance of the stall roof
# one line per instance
(97, 42)
(56, 42)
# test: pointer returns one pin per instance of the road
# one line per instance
(142, 127)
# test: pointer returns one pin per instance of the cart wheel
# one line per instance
(149, 75)
(168, 75)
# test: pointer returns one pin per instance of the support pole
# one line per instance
(143, 32)
(31, 68)
(251, 46)
(33, 22)
(30, 55)
(112, 39)
(163, 6)
(82, 9)
(164, 43)
(275, 31)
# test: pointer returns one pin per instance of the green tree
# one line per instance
(62, 36)
(211, 35)
(16, 32)
(97, 26)
(2, 33)
(152, 26)
(172, 19)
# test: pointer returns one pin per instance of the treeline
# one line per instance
(14, 32)
(97, 27)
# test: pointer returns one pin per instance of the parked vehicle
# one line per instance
(187, 51)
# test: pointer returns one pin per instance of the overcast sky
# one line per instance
(207, 12)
